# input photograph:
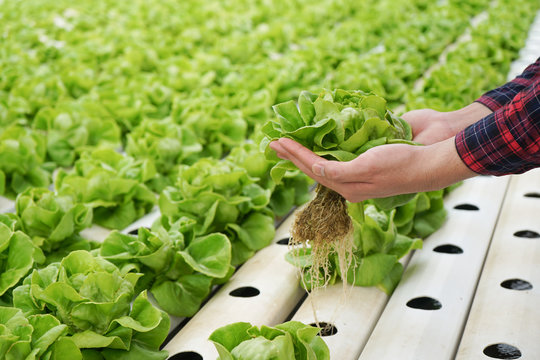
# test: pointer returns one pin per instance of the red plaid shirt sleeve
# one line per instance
(508, 140)
(496, 98)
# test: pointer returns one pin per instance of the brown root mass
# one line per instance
(324, 225)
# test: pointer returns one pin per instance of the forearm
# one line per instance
(439, 165)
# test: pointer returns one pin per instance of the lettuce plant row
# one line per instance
(483, 60)
(180, 86)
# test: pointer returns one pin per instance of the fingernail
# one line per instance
(318, 169)
(274, 145)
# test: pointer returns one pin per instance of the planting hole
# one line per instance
(516, 284)
(424, 303)
(245, 291)
(186, 355)
(448, 249)
(284, 241)
(527, 234)
(468, 207)
(533, 195)
(502, 351)
(327, 329)
(135, 232)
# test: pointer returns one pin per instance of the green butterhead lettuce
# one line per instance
(34, 337)
(53, 221)
(112, 184)
(293, 190)
(17, 253)
(337, 125)
(94, 298)
(22, 155)
(166, 144)
(221, 197)
(288, 341)
(74, 126)
(422, 216)
(179, 267)
(377, 248)
(218, 128)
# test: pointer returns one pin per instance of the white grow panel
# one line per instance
(352, 318)
(266, 288)
(505, 316)
(6, 205)
(446, 277)
(425, 316)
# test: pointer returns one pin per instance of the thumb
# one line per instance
(331, 170)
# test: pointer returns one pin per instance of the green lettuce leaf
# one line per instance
(112, 184)
(220, 196)
(22, 155)
(179, 267)
(338, 125)
(93, 298)
(17, 254)
(290, 340)
(166, 144)
(52, 220)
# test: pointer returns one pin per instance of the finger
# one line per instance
(280, 152)
(331, 171)
(422, 138)
(306, 169)
(342, 171)
(301, 153)
(307, 159)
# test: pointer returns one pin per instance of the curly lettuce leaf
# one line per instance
(51, 220)
(72, 126)
(17, 253)
(338, 125)
(166, 144)
(112, 184)
(179, 267)
(94, 299)
(34, 337)
(290, 340)
(22, 156)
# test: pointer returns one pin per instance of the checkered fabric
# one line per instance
(508, 140)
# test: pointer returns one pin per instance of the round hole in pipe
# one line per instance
(467, 207)
(516, 284)
(284, 241)
(245, 291)
(533, 195)
(327, 329)
(424, 303)
(502, 351)
(448, 249)
(186, 355)
(135, 232)
(529, 234)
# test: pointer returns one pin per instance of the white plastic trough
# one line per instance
(263, 291)
(426, 314)
(505, 316)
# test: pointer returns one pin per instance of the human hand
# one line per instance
(431, 126)
(428, 126)
(382, 171)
